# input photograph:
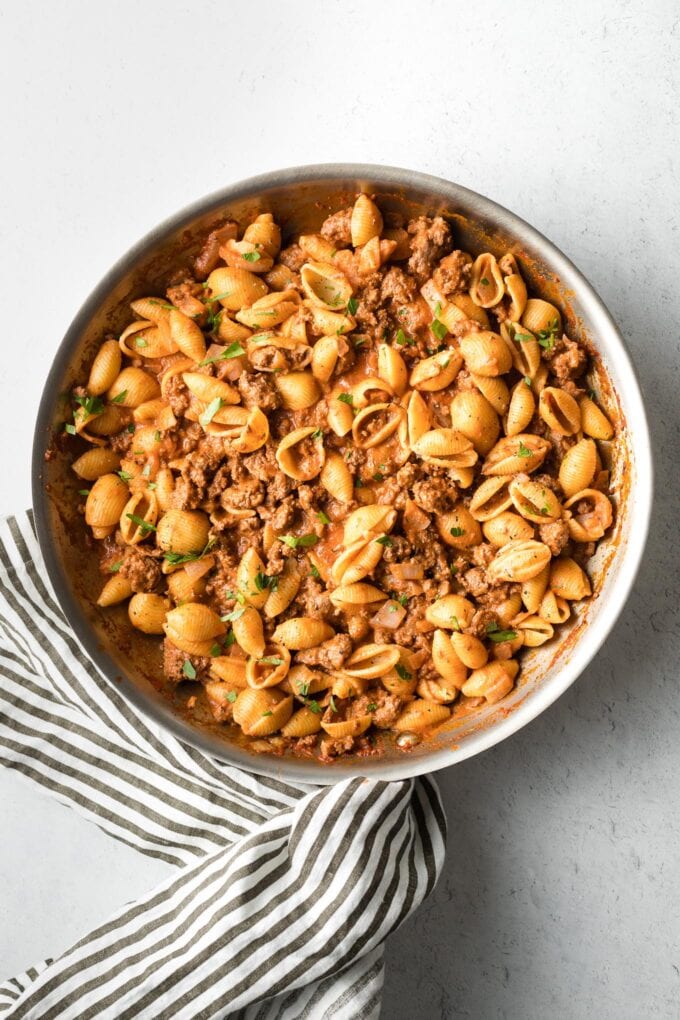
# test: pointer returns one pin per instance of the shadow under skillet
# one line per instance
(562, 870)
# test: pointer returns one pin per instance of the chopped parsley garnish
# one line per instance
(522, 338)
(496, 635)
(189, 669)
(157, 436)
(592, 395)
(141, 342)
(232, 696)
(454, 623)
(124, 475)
(323, 518)
(527, 381)
(402, 339)
(230, 639)
(219, 297)
(438, 328)
(83, 492)
(523, 451)
(151, 485)
(484, 282)
(372, 707)
(457, 532)
(232, 351)
(378, 477)
(454, 569)
(437, 309)
(265, 714)
(385, 540)
(161, 304)
(359, 341)
(401, 599)
(119, 397)
(547, 337)
(237, 596)
(346, 398)
(211, 410)
(314, 570)
(402, 672)
(145, 526)
(271, 660)
(131, 427)
(332, 704)
(317, 434)
(303, 687)
(71, 429)
(235, 614)
(313, 706)
(115, 567)
(216, 650)
(266, 581)
(352, 306)
(252, 256)
(295, 541)
(90, 405)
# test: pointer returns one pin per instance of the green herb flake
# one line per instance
(313, 706)
(352, 306)
(131, 428)
(454, 569)
(157, 436)
(385, 540)
(333, 707)
(71, 429)
(496, 635)
(323, 518)
(115, 567)
(237, 596)
(219, 297)
(455, 623)
(264, 582)
(230, 639)
(265, 714)
(232, 696)
(346, 398)
(592, 395)
(90, 405)
(359, 341)
(317, 434)
(402, 672)
(271, 660)
(378, 477)
(314, 571)
(152, 486)
(297, 541)
(438, 328)
(124, 475)
(211, 410)
(527, 381)
(145, 526)
(523, 451)
(216, 650)
(372, 707)
(252, 256)
(522, 338)
(232, 351)
(484, 282)
(141, 342)
(83, 492)
(189, 670)
(235, 614)
(457, 532)
(403, 340)
(119, 397)
(303, 687)
(547, 337)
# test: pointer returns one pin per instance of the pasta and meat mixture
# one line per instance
(348, 479)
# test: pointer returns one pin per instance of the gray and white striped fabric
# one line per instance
(282, 896)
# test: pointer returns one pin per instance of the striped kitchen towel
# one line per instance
(281, 896)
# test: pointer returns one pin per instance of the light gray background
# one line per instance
(560, 896)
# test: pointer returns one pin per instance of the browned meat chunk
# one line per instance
(397, 287)
(142, 571)
(174, 660)
(187, 297)
(453, 273)
(555, 535)
(568, 360)
(257, 391)
(337, 228)
(430, 241)
(293, 257)
(332, 747)
(330, 655)
(209, 255)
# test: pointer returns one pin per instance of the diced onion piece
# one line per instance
(197, 568)
(390, 615)
(408, 571)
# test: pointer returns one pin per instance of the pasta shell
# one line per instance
(436, 372)
(569, 580)
(250, 571)
(578, 467)
(541, 315)
(418, 419)
(507, 527)
(348, 597)
(325, 286)
(372, 660)
(230, 332)
(458, 528)
(270, 310)
(375, 424)
(464, 304)
(270, 669)
(185, 588)
(534, 589)
(469, 649)
(154, 308)
(534, 501)
(535, 631)
(486, 353)
(220, 697)
(523, 452)
(165, 487)
(491, 498)
(116, 590)
(207, 388)
(96, 462)
(303, 681)
(508, 609)
(559, 411)
(486, 281)
(245, 255)
(187, 336)
(317, 247)
(298, 390)
(147, 612)
(392, 369)
(235, 288)
(519, 561)
(230, 669)
(366, 221)
(132, 387)
(261, 712)
(494, 389)
(183, 531)
(352, 727)
(554, 609)
(105, 368)
(433, 690)
(492, 682)
(357, 560)
(420, 715)
(192, 623)
(302, 723)
(592, 515)
(325, 323)
(340, 417)
(593, 421)
(446, 660)
(451, 612)
(521, 410)
(446, 448)
(525, 350)
(249, 632)
(105, 503)
(325, 355)
(281, 597)
(264, 233)
(369, 521)
(300, 456)
(475, 418)
(401, 240)
(516, 289)
(336, 478)
(302, 632)
(240, 436)
(142, 506)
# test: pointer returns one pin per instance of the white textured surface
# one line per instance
(560, 896)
